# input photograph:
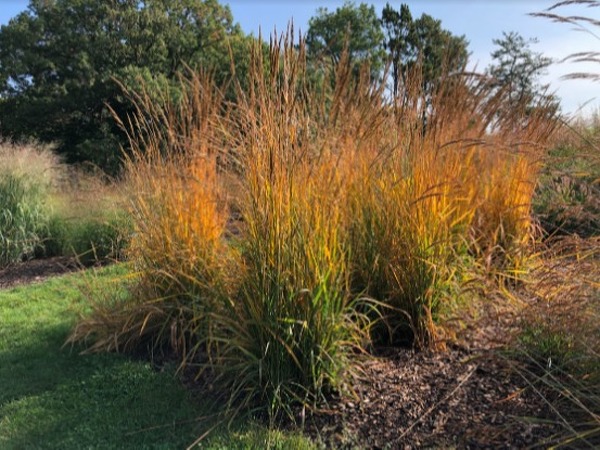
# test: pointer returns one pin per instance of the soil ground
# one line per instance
(36, 270)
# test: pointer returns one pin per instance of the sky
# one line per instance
(480, 21)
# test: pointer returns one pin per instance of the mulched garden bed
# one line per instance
(36, 270)
(452, 399)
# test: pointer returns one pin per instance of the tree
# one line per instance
(421, 42)
(59, 62)
(397, 33)
(517, 69)
(356, 27)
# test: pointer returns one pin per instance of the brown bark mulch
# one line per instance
(451, 399)
(36, 270)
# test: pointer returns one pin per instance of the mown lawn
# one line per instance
(52, 397)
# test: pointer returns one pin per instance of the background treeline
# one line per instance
(61, 63)
(64, 63)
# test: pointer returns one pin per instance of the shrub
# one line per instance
(88, 239)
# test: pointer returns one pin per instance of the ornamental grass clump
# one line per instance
(398, 247)
(27, 175)
(279, 230)
(260, 304)
(178, 213)
(452, 184)
(289, 334)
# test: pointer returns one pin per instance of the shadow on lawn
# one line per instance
(52, 397)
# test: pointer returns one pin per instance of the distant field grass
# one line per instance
(53, 398)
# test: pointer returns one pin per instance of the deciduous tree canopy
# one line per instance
(59, 61)
(421, 41)
(356, 27)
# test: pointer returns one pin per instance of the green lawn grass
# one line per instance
(53, 397)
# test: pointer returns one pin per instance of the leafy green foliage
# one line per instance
(59, 61)
(89, 239)
(547, 346)
(420, 43)
(356, 27)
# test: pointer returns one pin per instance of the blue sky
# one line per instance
(479, 20)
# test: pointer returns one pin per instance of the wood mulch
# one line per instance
(36, 270)
(452, 399)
